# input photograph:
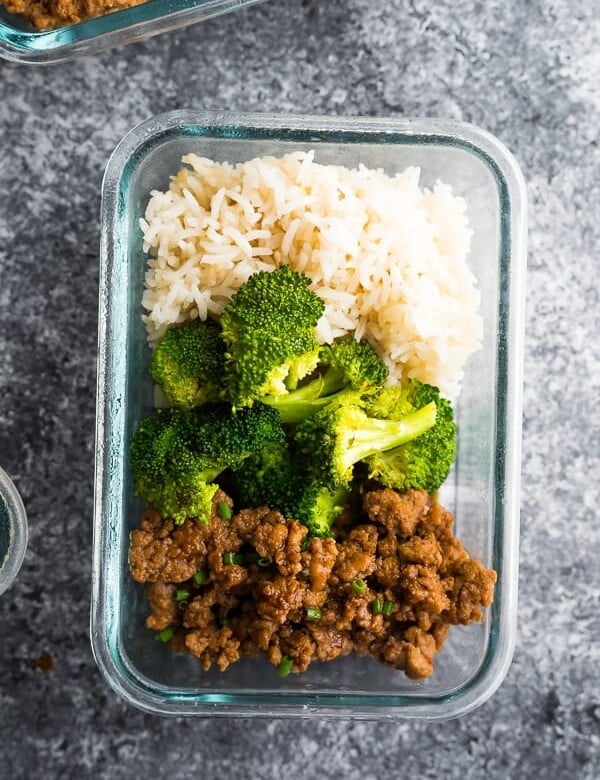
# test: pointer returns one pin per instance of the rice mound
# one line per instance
(387, 257)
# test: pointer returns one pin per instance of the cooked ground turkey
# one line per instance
(48, 14)
(390, 586)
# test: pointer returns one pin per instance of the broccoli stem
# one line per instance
(297, 409)
(332, 382)
(209, 475)
(297, 405)
(381, 435)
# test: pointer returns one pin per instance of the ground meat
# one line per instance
(163, 552)
(163, 608)
(231, 577)
(399, 513)
(423, 588)
(295, 643)
(280, 599)
(472, 587)
(390, 586)
(329, 643)
(48, 14)
(280, 540)
(214, 646)
(425, 550)
(321, 556)
(247, 521)
(356, 556)
(358, 613)
(258, 633)
(389, 570)
(200, 612)
(412, 652)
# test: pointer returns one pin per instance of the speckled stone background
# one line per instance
(529, 71)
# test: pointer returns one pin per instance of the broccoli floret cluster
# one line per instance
(269, 328)
(256, 396)
(279, 479)
(346, 364)
(426, 462)
(342, 434)
(176, 455)
(189, 363)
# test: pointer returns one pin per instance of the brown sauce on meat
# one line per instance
(390, 586)
(49, 14)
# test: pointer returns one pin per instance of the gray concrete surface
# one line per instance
(529, 71)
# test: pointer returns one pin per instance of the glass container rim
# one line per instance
(44, 47)
(19, 532)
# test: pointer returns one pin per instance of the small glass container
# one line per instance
(13, 532)
(21, 42)
(482, 491)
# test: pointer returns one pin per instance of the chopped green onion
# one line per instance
(225, 621)
(165, 635)
(285, 667)
(359, 587)
(224, 510)
(306, 543)
(264, 562)
(377, 606)
(200, 577)
(230, 558)
(305, 575)
(182, 594)
(388, 608)
(313, 613)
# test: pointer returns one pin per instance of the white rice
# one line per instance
(387, 257)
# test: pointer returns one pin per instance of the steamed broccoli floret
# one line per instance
(268, 298)
(265, 365)
(425, 461)
(348, 364)
(396, 401)
(189, 363)
(318, 507)
(268, 478)
(269, 329)
(275, 478)
(177, 455)
(353, 364)
(336, 437)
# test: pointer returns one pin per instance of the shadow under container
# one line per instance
(482, 489)
(21, 42)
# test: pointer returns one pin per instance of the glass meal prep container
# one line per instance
(482, 489)
(22, 42)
